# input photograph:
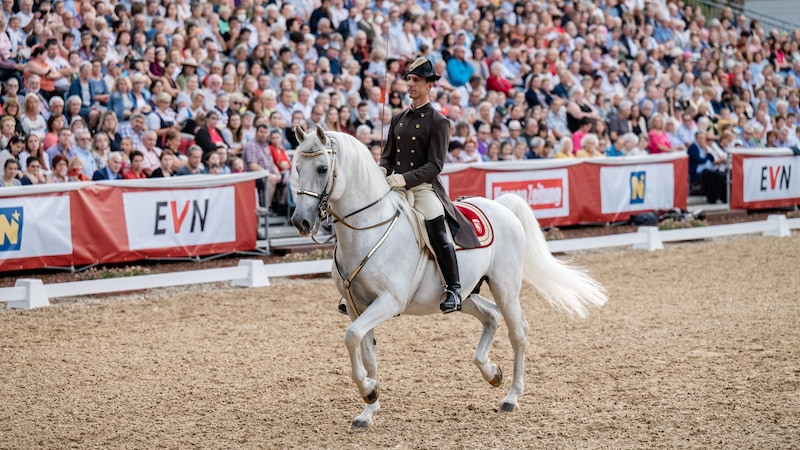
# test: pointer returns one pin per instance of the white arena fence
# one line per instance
(31, 293)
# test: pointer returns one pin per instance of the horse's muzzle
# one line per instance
(303, 224)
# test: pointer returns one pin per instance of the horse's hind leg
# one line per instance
(489, 315)
(506, 294)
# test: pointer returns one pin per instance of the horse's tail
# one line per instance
(566, 287)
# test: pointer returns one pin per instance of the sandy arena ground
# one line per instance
(698, 348)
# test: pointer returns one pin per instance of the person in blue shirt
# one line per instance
(458, 69)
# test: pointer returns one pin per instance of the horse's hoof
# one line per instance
(372, 397)
(360, 425)
(498, 378)
(508, 407)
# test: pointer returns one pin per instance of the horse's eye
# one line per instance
(322, 170)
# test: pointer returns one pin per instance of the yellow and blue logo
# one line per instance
(10, 229)
(637, 187)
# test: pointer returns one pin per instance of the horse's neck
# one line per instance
(355, 231)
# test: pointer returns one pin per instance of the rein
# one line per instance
(346, 282)
(341, 219)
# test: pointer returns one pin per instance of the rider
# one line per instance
(415, 151)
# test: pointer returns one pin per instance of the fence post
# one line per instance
(256, 274)
(652, 239)
(35, 297)
(779, 226)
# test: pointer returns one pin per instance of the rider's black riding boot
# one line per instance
(445, 254)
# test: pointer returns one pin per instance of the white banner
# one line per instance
(177, 218)
(771, 178)
(35, 226)
(636, 188)
(546, 191)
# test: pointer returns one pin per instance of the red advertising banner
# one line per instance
(764, 178)
(571, 192)
(128, 220)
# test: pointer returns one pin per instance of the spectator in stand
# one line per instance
(150, 152)
(11, 172)
(15, 147)
(659, 140)
(59, 165)
(194, 162)
(62, 147)
(233, 134)
(710, 170)
(586, 124)
(135, 171)
(83, 90)
(163, 118)
(167, 159)
(211, 164)
(134, 130)
(208, 135)
(565, 149)
(33, 173)
(496, 81)
(578, 109)
(54, 123)
(459, 70)
(7, 130)
(257, 156)
(109, 125)
(638, 121)
(470, 153)
(32, 121)
(101, 148)
(590, 147)
(83, 141)
(39, 66)
(618, 121)
(121, 101)
(224, 160)
(75, 170)
(112, 169)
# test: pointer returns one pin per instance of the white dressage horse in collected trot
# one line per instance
(381, 271)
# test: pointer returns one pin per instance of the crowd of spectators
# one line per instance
(133, 89)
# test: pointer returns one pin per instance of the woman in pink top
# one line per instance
(659, 140)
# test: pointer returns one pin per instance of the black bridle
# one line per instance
(323, 206)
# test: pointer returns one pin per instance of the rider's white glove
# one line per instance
(396, 180)
(383, 170)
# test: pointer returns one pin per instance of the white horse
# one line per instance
(381, 271)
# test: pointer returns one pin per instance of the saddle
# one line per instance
(480, 223)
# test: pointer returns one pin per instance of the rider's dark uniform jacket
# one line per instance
(416, 147)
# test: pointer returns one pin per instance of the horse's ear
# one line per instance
(299, 133)
(321, 135)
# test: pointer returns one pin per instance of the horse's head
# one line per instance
(315, 172)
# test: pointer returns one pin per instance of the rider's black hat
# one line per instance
(422, 67)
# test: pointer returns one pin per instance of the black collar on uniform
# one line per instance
(427, 104)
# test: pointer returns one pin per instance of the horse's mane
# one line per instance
(356, 161)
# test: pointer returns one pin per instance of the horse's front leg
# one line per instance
(359, 341)
(364, 420)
